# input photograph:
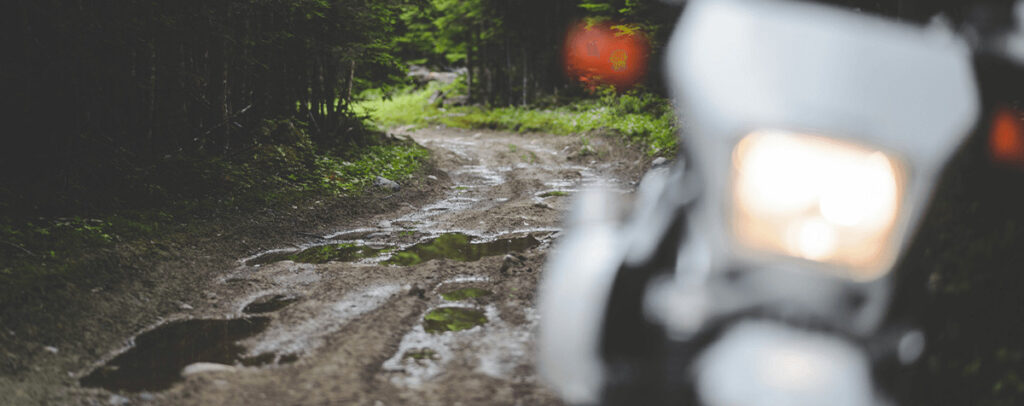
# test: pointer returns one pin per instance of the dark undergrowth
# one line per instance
(62, 237)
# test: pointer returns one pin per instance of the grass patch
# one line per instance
(640, 116)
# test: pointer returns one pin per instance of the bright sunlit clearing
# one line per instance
(816, 198)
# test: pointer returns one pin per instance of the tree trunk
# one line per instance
(351, 79)
(470, 35)
(525, 67)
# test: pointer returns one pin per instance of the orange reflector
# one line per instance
(1006, 137)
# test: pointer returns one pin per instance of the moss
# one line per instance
(558, 193)
(445, 319)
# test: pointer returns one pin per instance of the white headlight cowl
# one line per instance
(762, 363)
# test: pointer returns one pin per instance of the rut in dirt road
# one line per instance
(427, 305)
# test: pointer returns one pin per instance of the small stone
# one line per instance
(431, 177)
(117, 400)
(417, 291)
(185, 306)
(51, 349)
(543, 205)
(511, 261)
(384, 224)
(659, 161)
(146, 396)
(386, 183)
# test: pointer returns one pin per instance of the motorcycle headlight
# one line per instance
(816, 198)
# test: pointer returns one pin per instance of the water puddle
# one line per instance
(269, 303)
(346, 252)
(465, 293)
(421, 354)
(156, 360)
(459, 247)
(444, 319)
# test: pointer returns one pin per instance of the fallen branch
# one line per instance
(19, 247)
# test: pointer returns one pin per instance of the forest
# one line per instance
(145, 132)
(130, 116)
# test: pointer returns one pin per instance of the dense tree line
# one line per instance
(92, 91)
(512, 49)
(84, 83)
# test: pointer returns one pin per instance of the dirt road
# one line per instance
(430, 304)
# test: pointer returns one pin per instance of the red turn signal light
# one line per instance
(1006, 137)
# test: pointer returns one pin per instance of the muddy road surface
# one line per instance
(431, 304)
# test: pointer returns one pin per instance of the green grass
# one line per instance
(395, 162)
(641, 117)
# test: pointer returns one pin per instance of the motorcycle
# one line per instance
(758, 269)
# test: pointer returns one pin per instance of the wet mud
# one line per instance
(433, 304)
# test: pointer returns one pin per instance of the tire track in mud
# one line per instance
(427, 305)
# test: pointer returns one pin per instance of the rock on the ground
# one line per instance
(386, 183)
(460, 100)
(437, 98)
(659, 162)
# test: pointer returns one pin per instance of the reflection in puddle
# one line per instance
(465, 293)
(421, 354)
(156, 360)
(459, 247)
(321, 254)
(269, 303)
(554, 193)
(452, 319)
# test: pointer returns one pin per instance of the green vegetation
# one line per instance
(640, 116)
(445, 319)
(465, 293)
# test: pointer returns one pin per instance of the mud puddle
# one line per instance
(444, 319)
(344, 252)
(454, 246)
(159, 355)
(431, 304)
(460, 247)
(465, 294)
(269, 303)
